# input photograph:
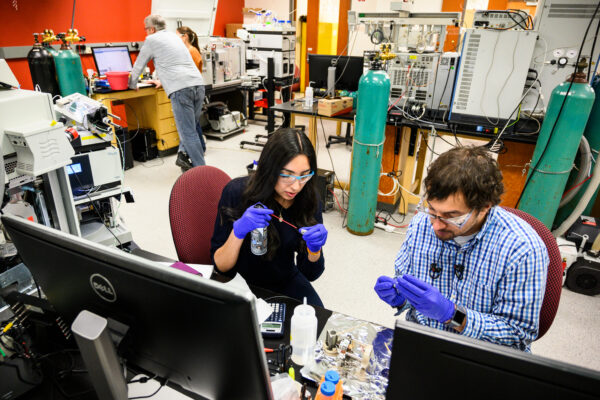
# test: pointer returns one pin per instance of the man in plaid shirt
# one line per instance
(467, 265)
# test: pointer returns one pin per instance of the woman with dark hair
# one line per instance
(282, 184)
(190, 39)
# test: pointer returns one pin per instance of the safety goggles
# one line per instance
(459, 221)
(290, 179)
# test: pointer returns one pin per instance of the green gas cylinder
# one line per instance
(69, 71)
(547, 183)
(367, 150)
(592, 134)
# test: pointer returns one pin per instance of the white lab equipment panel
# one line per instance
(491, 76)
(41, 147)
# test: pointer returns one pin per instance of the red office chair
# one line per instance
(555, 271)
(192, 212)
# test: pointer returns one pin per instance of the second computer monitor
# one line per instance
(348, 70)
(433, 364)
(112, 59)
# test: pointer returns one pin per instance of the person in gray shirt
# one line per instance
(182, 82)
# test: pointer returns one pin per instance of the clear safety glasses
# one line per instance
(456, 221)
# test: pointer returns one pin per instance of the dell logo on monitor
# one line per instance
(103, 288)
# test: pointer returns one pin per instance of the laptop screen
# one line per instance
(113, 58)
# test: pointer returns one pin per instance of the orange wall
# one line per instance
(97, 21)
(452, 33)
(228, 12)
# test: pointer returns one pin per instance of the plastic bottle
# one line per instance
(303, 333)
(326, 391)
(258, 239)
(308, 96)
(288, 24)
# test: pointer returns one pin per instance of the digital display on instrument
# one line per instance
(74, 169)
(271, 325)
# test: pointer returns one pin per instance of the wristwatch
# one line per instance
(460, 314)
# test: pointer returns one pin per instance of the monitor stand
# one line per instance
(331, 82)
(100, 356)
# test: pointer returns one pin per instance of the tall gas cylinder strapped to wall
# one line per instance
(41, 67)
(68, 66)
(371, 114)
(557, 144)
(592, 134)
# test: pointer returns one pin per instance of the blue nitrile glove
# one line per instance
(254, 217)
(426, 299)
(315, 236)
(386, 290)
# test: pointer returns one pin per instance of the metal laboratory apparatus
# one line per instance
(373, 95)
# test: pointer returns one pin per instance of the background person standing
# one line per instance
(181, 80)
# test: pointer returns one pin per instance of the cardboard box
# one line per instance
(231, 29)
(335, 106)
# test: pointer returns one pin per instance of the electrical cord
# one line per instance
(345, 65)
(442, 97)
(491, 145)
(344, 194)
(330, 157)
(503, 86)
(98, 213)
(534, 167)
(592, 52)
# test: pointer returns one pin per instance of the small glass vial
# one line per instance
(258, 239)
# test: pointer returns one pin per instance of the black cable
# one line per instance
(111, 99)
(453, 130)
(441, 137)
(143, 379)
(430, 149)
(98, 213)
(331, 158)
(19, 374)
(335, 175)
(39, 292)
(517, 22)
(592, 52)
(534, 167)
(380, 39)
(490, 144)
(442, 97)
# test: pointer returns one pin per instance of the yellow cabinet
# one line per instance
(151, 108)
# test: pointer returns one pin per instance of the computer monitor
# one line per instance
(200, 334)
(112, 58)
(348, 70)
(434, 364)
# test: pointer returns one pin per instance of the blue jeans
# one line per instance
(187, 107)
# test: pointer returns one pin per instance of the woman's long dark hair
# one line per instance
(191, 35)
(281, 148)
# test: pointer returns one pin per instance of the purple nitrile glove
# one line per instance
(315, 236)
(426, 298)
(386, 290)
(256, 216)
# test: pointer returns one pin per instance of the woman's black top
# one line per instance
(256, 269)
